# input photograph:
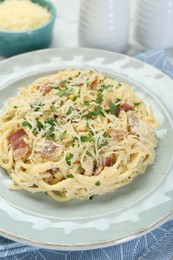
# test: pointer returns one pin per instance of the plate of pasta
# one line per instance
(85, 147)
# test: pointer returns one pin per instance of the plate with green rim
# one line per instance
(106, 220)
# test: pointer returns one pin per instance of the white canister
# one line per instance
(154, 23)
(104, 24)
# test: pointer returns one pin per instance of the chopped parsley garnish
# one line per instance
(79, 168)
(86, 103)
(88, 153)
(26, 123)
(70, 175)
(105, 143)
(75, 97)
(50, 134)
(70, 110)
(100, 90)
(64, 92)
(53, 108)
(15, 106)
(103, 87)
(98, 111)
(119, 85)
(87, 124)
(68, 158)
(106, 135)
(63, 83)
(39, 124)
(85, 138)
(51, 121)
(99, 100)
(118, 100)
(61, 103)
(137, 104)
(113, 107)
(74, 141)
(97, 183)
(37, 106)
(62, 135)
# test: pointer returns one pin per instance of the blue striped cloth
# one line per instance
(156, 245)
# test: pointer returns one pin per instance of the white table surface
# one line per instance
(66, 27)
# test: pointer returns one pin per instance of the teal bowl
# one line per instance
(12, 43)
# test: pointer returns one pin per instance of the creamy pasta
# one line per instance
(76, 134)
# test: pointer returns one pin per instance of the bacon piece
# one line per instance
(93, 83)
(44, 88)
(126, 107)
(19, 134)
(102, 163)
(19, 147)
(108, 161)
(19, 144)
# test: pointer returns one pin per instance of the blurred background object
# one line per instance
(104, 24)
(154, 23)
(66, 28)
(29, 32)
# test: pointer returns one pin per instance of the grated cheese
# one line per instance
(22, 15)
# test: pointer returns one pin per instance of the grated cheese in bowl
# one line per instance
(25, 25)
(22, 15)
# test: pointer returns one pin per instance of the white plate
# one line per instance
(117, 217)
